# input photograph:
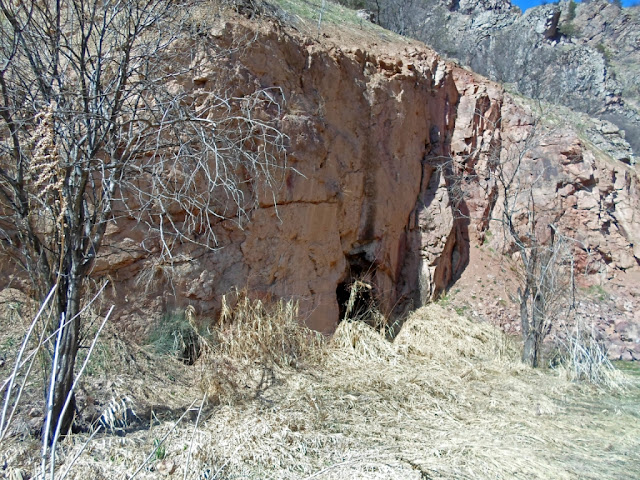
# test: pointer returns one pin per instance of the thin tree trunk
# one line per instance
(532, 329)
(537, 332)
(528, 351)
(70, 304)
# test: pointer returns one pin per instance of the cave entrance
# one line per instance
(356, 293)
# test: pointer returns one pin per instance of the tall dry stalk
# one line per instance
(252, 339)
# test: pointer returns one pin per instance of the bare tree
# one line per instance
(514, 174)
(94, 124)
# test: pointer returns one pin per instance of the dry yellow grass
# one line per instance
(253, 342)
(448, 399)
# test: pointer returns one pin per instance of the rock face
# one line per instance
(375, 133)
(371, 132)
(476, 6)
(585, 55)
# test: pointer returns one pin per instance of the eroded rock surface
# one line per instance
(584, 55)
(376, 135)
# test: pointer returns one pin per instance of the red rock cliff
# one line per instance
(369, 128)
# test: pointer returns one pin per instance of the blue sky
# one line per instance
(524, 4)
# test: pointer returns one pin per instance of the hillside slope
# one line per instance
(448, 399)
(581, 55)
(371, 120)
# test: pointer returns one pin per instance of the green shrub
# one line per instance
(597, 292)
(176, 335)
(569, 30)
(605, 52)
(572, 11)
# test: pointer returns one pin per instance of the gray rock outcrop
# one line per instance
(585, 56)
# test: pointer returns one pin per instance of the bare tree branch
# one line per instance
(94, 124)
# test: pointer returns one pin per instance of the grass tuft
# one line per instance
(361, 341)
(440, 334)
(583, 358)
(252, 339)
(177, 335)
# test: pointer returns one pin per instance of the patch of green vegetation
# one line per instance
(160, 450)
(597, 292)
(354, 4)
(571, 14)
(444, 299)
(487, 237)
(307, 10)
(9, 343)
(569, 30)
(174, 335)
(629, 368)
(315, 10)
(314, 14)
(100, 361)
(605, 52)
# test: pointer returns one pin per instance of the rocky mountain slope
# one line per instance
(582, 55)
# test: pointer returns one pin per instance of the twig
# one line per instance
(19, 358)
(193, 436)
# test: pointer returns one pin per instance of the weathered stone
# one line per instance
(382, 185)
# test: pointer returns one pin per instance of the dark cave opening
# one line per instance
(356, 293)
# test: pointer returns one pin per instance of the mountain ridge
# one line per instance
(581, 55)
